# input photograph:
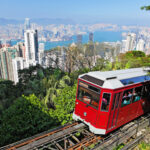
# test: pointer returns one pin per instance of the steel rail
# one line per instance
(34, 138)
(124, 133)
(65, 137)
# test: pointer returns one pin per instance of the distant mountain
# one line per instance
(46, 21)
(40, 21)
(4, 21)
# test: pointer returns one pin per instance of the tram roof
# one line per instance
(118, 78)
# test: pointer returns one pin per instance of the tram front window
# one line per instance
(88, 94)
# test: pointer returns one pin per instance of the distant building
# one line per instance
(123, 48)
(0, 44)
(5, 43)
(79, 39)
(27, 25)
(141, 45)
(6, 67)
(10, 63)
(91, 37)
(147, 47)
(22, 32)
(57, 35)
(31, 45)
(21, 49)
(56, 59)
(41, 53)
(130, 42)
(18, 64)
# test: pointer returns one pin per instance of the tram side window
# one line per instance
(105, 102)
(89, 97)
(137, 93)
(146, 91)
(127, 97)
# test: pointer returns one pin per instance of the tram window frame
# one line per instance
(108, 104)
(114, 101)
(145, 95)
(127, 98)
(137, 96)
(118, 100)
(92, 94)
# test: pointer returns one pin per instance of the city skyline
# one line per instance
(119, 12)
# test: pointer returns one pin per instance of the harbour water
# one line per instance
(99, 36)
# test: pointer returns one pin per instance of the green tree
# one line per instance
(147, 8)
(53, 85)
(26, 117)
(64, 104)
(135, 54)
(100, 64)
(8, 93)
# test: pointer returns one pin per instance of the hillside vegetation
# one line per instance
(45, 98)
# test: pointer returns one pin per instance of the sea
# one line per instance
(99, 36)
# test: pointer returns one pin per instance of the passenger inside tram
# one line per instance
(137, 94)
(126, 98)
(105, 102)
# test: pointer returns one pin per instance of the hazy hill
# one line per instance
(41, 21)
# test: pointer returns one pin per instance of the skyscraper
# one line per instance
(79, 39)
(141, 45)
(21, 49)
(130, 42)
(6, 68)
(27, 24)
(41, 53)
(91, 35)
(31, 45)
(18, 64)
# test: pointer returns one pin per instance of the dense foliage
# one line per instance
(49, 96)
(26, 117)
(8, 93)
(131, 59)
(144, 146)
(147, 8)
(64, 103)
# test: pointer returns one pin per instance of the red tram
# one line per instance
(108, 100)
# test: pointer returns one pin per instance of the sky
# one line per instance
(80, 11)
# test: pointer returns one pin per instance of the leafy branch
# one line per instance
(147, 8)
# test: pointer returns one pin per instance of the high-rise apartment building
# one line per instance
(141, 45)
(31, 46)
(41, 53)
(91, 35)
(21, 49)
(10, 63)
(6, 68)
(18, 64)
(27, 25)
(130, 42)
(79, 39)
(123, 46)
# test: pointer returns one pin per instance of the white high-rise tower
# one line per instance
(41, 53)
(31, 45)
(141, 45)
(130, 42)
(27, 25)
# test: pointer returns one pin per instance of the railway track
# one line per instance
(69, 137)
(125, 134)
(76, 136)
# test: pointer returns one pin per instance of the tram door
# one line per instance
(114, 111)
